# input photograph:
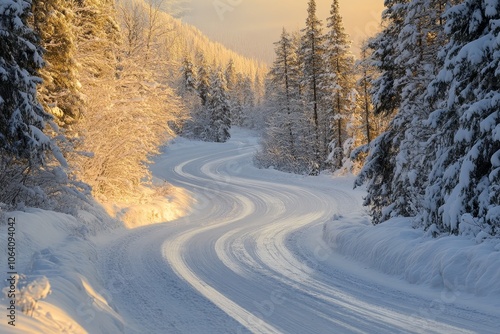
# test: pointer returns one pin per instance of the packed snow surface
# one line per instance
(265, 252)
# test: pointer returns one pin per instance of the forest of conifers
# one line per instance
(418, 114)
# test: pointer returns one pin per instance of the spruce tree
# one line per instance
(247, 97)
(288, 142)
(230, 77)
(385, 94)
(28, 171)
(279, 144)
(238, 112)
(60, 93)
(218, 108)
(22, 117)
(463, 192)
(365, 70)
(189, 80)
(405, 55)
(203, 76)
(418, 43)
(281, 77)
(340, 84)
(312, 57)
(380, 165)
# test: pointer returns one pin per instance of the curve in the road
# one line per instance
(243, 249)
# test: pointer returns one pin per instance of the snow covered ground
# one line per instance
(456, 264)
(260, 251)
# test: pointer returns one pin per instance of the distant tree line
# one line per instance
(217, 98)
(317, 109)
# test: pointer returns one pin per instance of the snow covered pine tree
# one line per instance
(22, 142)
(218, 108)
(60, 92)
(464, 187)
(340, 85)
(279, 146)
(312, 52)
(380, 165)
(405, 51)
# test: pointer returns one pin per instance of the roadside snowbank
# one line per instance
(160, 205)
(56, 283)
(395, 248)
(58, 288)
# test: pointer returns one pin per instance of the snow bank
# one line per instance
(171, 203)
(395, 248)
(58, 288)
(54, 288)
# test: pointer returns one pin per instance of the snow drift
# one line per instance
(459, 264)
(57, 281)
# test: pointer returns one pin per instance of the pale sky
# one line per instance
(251, 26)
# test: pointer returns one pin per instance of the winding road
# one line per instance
(249, 258)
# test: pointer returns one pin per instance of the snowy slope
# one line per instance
(54, 251)
(250, 257)
(454, 264)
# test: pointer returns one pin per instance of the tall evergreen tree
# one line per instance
(283, 123)
(340, 83)
(189, 80)
(463, 192)
(372, 125)
(238, 112)
(231, 78)
(28, 171)
(380, 166)
(312, 56)
(203, 76)
(366, 73)
(281, 77)
(385, 93)
(247, 97)
(22, 118)
(405, 56)
(230, 75)
(218, 108)
(418, 44)
(60, 92)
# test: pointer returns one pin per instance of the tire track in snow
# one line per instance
(172, 251)
(241, 251)
(248, 249)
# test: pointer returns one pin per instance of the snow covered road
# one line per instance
(249, 258)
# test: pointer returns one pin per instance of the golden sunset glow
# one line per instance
(251, 26)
